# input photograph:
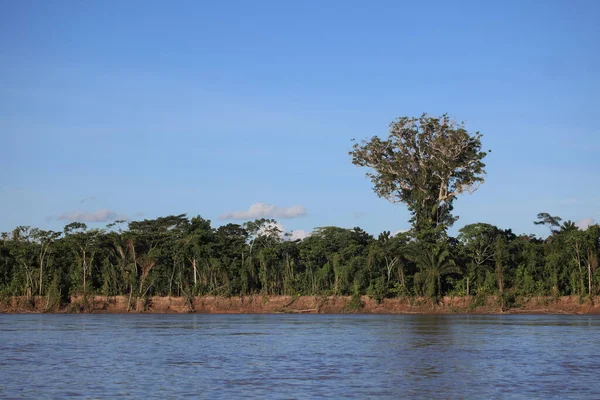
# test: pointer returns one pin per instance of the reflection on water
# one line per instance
(299, 356)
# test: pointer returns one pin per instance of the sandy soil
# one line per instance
(301, 304)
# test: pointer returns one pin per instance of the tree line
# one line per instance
(424, 163)
(179, 256)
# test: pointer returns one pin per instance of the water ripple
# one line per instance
(299, 356)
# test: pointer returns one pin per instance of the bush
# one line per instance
(377, 290)
(355, 304)
(508, 300)
(480, 299)
(399, 290)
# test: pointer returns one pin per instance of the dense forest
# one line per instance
(177, 256)
(424, 163)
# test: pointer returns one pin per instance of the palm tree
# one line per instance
(568, 226)
(434, 263)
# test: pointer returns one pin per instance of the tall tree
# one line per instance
(391, 250)
(24, 251)
(426, 163)
(551, 222)
(501, 257)
(478, 241)
(84, 243)
(45, 240)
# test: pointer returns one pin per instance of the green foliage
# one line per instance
(509, 300)
(456, 287)
(433, 263)
(177, 256)
(548, 220)
(378, 289)
(54, 298)
(426, 163)
(399, 290)
(355, 304)
(478, 301)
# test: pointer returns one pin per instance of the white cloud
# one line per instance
(584, 223)
(263, 210)
(86, 199)
(299, 234)
(91, 216)
(291, 235)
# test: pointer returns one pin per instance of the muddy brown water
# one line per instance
(299, 356)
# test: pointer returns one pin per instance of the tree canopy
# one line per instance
(426, 163)
(181, 256)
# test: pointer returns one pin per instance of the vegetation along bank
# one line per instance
(424, 163)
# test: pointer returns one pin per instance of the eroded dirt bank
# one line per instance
(302, 304)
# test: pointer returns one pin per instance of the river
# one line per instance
(299, 356)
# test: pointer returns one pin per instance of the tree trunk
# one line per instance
(195, 272)
(41, 271)
(129, 300)
(500, 277)
(401, 272)
(578, 260)
(589, 279)
(28, 281)
(43, 253)
(389, 266)
(84, 266)
(592, 262)
(171, 280)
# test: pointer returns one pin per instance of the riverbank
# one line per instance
(258, 304)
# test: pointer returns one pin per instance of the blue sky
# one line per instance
(141, 109)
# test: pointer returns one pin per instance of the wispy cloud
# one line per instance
(299, 234)
(263, 210)
(283, 233)
(86, 199)
(91, 216)
(584, 223)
